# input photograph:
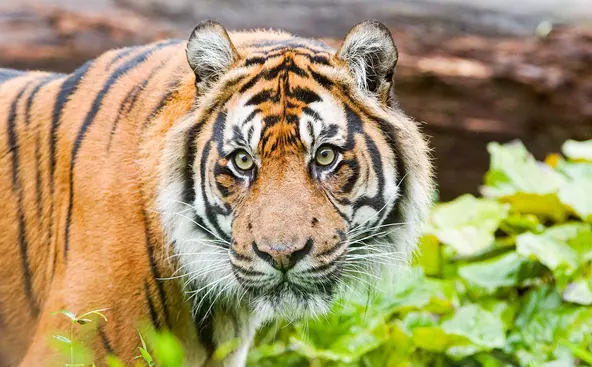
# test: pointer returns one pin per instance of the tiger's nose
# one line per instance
(283, 257)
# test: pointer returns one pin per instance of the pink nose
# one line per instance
(281, 256)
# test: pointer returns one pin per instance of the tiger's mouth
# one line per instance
(293, 294)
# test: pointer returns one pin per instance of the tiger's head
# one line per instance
(295, 172)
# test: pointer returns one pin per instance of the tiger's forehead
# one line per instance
(281, 90)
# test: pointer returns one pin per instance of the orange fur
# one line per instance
(80, 228)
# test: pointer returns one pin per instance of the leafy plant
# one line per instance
(502, 280)
(75, 320)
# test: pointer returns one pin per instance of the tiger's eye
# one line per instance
(325, 155)
(243, 160)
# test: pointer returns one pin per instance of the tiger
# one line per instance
(205, 187)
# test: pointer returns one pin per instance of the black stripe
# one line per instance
(89, 119)
(8, 74)
(189, 192)
(105, 340)
(22, 229)
(154, 270)
(212, 210)
(130, 100)
(39, 179)
(305, 95)
(151, 308)
(69, 86)
(120, 55)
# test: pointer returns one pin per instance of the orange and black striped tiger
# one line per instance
(204, 186)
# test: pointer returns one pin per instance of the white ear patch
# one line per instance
(210, 52)
(370, 53)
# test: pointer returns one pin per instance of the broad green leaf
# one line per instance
(575, 170)
(578, 150)
(430, 338)
(554, 254)
(577, 196)
(508, 270)
(542, 205)
(469, 211)
(519, 223)
(481, 327)
(579, 292)
(512, 170)
(466, 241)
(467, 224)
(63, 339)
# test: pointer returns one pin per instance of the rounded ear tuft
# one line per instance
(371, 55)
(210, 52)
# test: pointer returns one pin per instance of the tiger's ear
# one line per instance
(210, 53)
(371, 55)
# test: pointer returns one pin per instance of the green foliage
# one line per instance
(502, 280)
(79, 355)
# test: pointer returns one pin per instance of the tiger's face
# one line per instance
(294, 174)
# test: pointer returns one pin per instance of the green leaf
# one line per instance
(575, 170)
(542, 205)
(519, 223)
(469, 211)
(467, 224)
(579, 292)
(147, 357)
(513, 170)
(554, 254)
(68, 314)
(481, 327)
(577, 150)
(63, 339)
(577, 196)
(508, 270)
(168, 350)
(429, 257)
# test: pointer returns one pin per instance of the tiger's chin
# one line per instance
(289, 302)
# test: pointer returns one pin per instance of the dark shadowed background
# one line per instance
(472, 73)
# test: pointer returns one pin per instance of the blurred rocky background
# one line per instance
(471, 72)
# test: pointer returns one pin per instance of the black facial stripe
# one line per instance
(304, 95)
(354, 166)
(210, 209)
(355, 128)
(321, 79)
(263, 96)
